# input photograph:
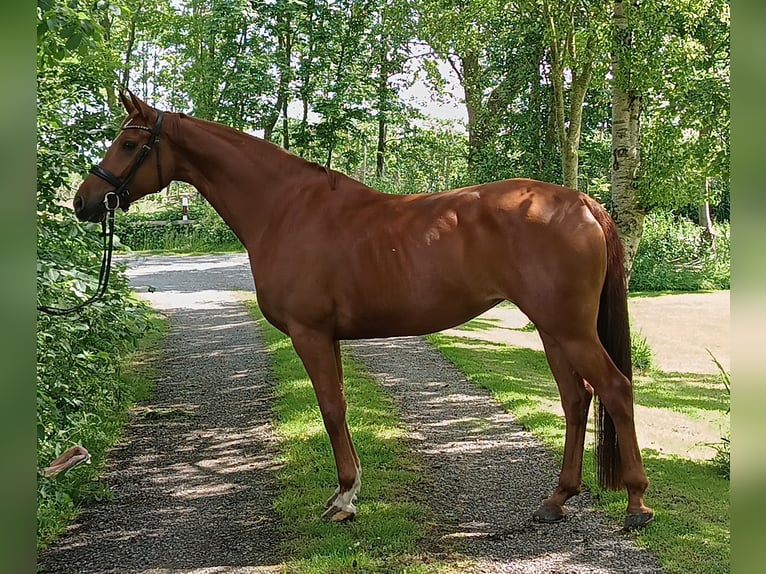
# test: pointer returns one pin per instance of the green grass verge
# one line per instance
(61, 499)
(691, 532)
(389, 522)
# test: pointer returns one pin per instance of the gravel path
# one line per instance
(484, 475)
(193, 477)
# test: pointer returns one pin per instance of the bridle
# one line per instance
(121, 193)
(118, 197)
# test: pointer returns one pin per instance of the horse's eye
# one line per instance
(128, 145)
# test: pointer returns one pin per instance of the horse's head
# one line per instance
(132, 167)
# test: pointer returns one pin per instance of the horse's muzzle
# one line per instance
(94, 213)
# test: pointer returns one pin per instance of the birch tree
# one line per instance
(626, 113)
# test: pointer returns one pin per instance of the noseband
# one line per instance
(121, 194)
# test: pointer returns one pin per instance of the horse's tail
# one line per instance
(614, 333)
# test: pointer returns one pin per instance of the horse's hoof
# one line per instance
(335, 514)
(637, 521)
(548, 514)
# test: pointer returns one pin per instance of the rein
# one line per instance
(118, 197)
(106, 264)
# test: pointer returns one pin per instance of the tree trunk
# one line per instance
(472, 92)
(561, 44)
(705, 221)
(285, 126)
(383, 95)
(273, 117)
(626, 110)
(580, 83)
(380, 154)
(285, 42)
(129, 52)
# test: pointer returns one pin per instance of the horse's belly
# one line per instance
(401, 320)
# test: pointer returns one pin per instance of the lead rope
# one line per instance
(106, 264)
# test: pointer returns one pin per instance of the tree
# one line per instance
(393, 31)
(686, 128)
(574, 41)
(626, 112)
(671, 69)
(496, 53)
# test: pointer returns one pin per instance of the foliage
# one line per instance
(641, 352)
(674, 255)
(81, 397)
(160, 230)
(325, 79)
(685, 137)
(424, 161)
(722, 458)
(87, 379)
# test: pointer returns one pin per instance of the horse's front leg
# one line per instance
(330, 501)
(321, 356)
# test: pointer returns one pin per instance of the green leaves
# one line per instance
(65, 28)
(675, 256)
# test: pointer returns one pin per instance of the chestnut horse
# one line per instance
(334, 259)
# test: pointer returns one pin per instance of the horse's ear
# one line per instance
(126, 97)
(144, 109)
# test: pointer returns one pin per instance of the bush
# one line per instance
(206, 232)
(81, 399)
(675, 256)
(641, 353)
(722, 458)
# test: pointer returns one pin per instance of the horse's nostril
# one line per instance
(78, 203)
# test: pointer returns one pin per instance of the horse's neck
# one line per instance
(244, 178)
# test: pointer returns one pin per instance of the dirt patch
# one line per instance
(679, 329)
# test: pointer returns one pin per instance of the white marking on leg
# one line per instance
(346, 501)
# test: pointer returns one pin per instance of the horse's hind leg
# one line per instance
(615, 391)
(575, 400)
(318, 352)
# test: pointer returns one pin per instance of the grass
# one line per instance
(691, 532)
(390, 520)
(188, 250)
